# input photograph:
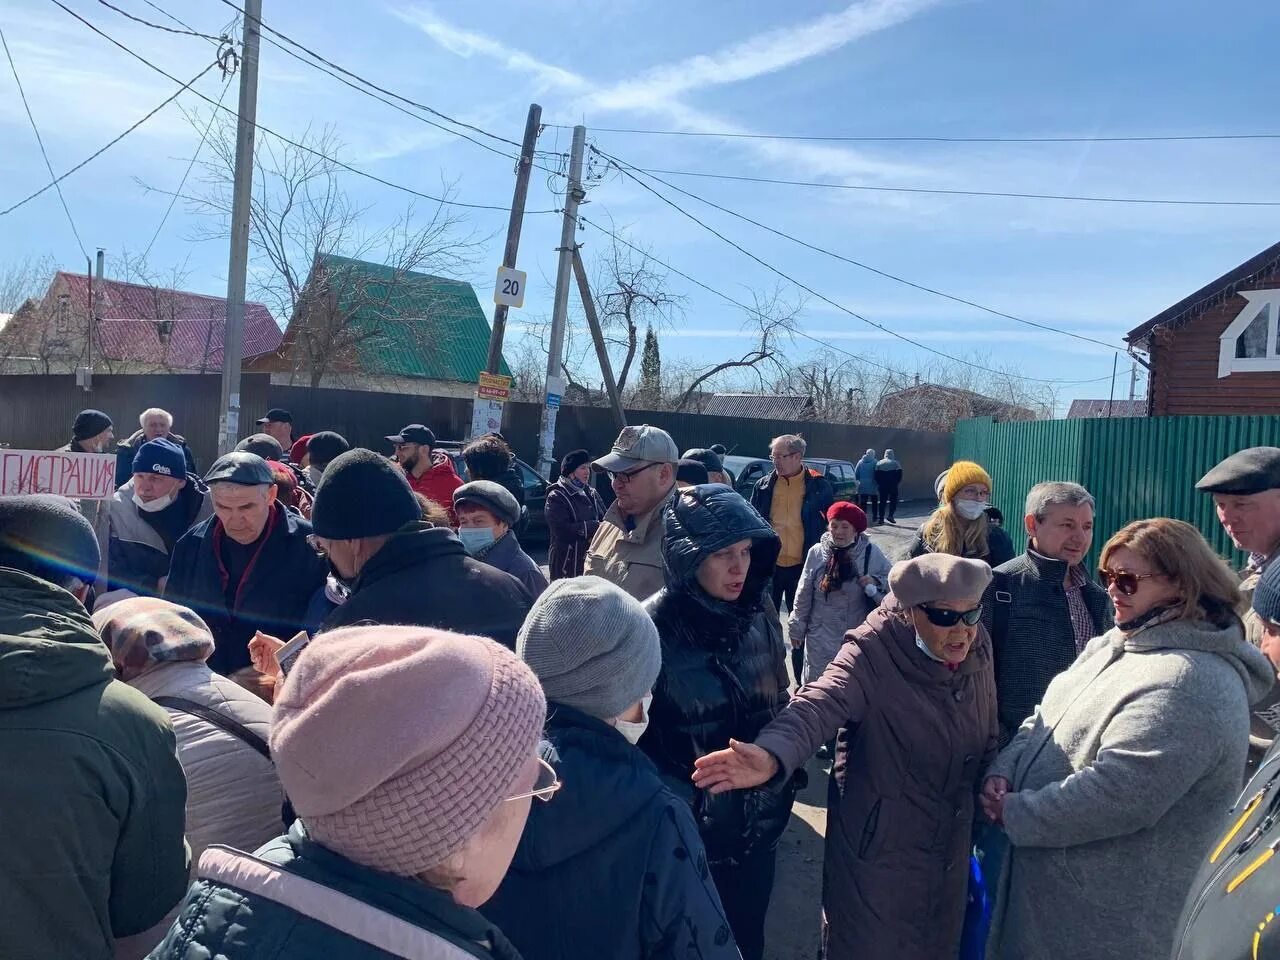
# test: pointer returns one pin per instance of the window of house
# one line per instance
(1250, 344)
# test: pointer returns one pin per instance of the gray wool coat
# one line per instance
(1119, 782)
(821, 620)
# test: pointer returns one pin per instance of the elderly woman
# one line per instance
(960, 526)
(409, 818)
(845, 577)
(573, 511)
(1113, 789)
(487, 517)
(912, 696)
(723, 678)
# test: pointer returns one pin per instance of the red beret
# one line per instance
(849, 512)
(299, 448)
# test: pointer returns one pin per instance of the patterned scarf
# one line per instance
(839, 568)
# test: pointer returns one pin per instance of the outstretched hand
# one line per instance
(741, 766)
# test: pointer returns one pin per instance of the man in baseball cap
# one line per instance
(1246, 492)
(278, 423)
(429, 472)
(147, 517)
(247, 568)
(627, 549)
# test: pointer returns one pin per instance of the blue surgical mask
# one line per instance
(476, 539)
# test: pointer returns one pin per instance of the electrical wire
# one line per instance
(293, 143)
(39, 140)
(752, 310)
(819, 138)
(965, 193)
(194, 156)
(820, 296)
(108, 145)
(187, 32)
(864, 266)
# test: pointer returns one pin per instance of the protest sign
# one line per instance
(81, 476)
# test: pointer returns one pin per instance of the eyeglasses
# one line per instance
(622, 479)
(779, 457)
(545, 787)
(1127, 583)
(949, 618)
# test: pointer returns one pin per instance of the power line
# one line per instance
(820, 296)
(44, 153)
(820, 138)
(105, 147)
(283, 139)
(752, 310)
(194, 156)
(965, 193)
(187, 32)
(864, 266)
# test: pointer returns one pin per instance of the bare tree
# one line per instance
(301, 218)
(23, 280)
(773, 323)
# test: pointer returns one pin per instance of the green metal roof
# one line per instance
(422, 326)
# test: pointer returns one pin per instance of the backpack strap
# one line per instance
(355, 918)
(222, 722)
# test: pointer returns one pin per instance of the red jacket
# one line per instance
(438, 483)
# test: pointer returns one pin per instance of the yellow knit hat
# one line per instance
(961, 474)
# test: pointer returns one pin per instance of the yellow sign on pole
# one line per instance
(494, 386)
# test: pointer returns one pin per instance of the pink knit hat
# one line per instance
(395, 744)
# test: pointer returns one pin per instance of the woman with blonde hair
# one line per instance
(1112, 790)
(960, 526)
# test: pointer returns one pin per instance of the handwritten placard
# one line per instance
(81, 476)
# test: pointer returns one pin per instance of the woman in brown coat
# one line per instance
(912, 695)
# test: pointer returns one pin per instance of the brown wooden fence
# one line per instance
(36, 413)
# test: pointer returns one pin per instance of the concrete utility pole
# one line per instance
(233, 333)
(523, 166)
(573, 195)
(1133, 379)
(597, 336)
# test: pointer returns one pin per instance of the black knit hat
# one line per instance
(362, 495)
(47, 537)
(573, 460)
(691, 471)
(89, 423)
(326, 446)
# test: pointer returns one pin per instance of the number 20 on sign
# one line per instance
(509, 290)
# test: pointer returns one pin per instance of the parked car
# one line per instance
(535, 491)
(748, 470)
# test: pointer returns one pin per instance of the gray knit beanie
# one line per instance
(591, 645)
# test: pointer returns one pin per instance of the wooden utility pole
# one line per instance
(237, 271)
(523, 167)
(573, 195)
(597, 336)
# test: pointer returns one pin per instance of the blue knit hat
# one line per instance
(1266, 595)
(161, 456)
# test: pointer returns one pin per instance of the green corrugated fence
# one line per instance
(1134, 467)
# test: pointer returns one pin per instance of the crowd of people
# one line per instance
(320, 700)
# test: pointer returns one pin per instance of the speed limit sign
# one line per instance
(509, 290)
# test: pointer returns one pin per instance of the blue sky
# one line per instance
(949, 68)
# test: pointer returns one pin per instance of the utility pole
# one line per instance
(1133, 379)
(573, 195)
(96, 304)
(233, 332)
(597, 336)
(523, 167)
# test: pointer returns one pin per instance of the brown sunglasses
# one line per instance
(1127, 583)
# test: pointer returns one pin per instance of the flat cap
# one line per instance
(494, 497)
(263, 444)
(1249, 471)
(938, 576)
(243, 469)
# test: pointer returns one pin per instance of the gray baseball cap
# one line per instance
(638, 447)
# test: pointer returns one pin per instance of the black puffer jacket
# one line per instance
(723, 668)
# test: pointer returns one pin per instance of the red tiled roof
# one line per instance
(130, 313)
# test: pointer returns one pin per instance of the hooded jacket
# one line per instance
(1118, 783)
(613, 810)
(423, 576)
(438, 483)
(90, 790)
(865, 472)
(914, 737)
(723, 669)
(573, 516)
(137, 555)
(274, 591)
(888, 472)
(128, 448)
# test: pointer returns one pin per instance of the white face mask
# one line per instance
(632, 729)
(154, 506)
(970, 509)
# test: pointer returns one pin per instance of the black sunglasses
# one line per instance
(949, 618)
(1127, 583)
